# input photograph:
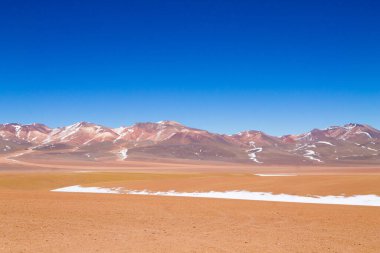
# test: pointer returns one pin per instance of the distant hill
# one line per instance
(351, 144)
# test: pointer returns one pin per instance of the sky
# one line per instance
(224, 66)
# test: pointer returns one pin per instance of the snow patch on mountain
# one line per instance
(252, 152)
(372, 149)
(7, 148)
(123, 154)
(365, 133)
(312, 155)
(326, 142)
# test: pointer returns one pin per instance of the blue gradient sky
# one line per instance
(225, 66)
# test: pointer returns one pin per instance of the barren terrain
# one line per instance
(34, 219)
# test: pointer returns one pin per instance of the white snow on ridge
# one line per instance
(361, 132)
(304, 136)
(356, 200)
(17, 130)
(303, 147)
(90, 140)
(325, 142)
(119, 130)
(69, 131)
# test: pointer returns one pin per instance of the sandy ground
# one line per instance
(37, 220)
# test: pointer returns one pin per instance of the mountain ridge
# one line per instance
(351, 143)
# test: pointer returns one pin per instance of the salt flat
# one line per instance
(357, 200)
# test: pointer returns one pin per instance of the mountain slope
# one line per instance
(337, 145)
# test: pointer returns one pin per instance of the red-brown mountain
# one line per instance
(348, 144)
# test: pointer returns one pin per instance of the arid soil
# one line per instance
(33, 219)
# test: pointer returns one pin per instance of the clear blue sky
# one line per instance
(225, 66)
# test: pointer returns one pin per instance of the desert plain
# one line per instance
(35, 219)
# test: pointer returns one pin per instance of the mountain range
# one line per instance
(351, 144)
